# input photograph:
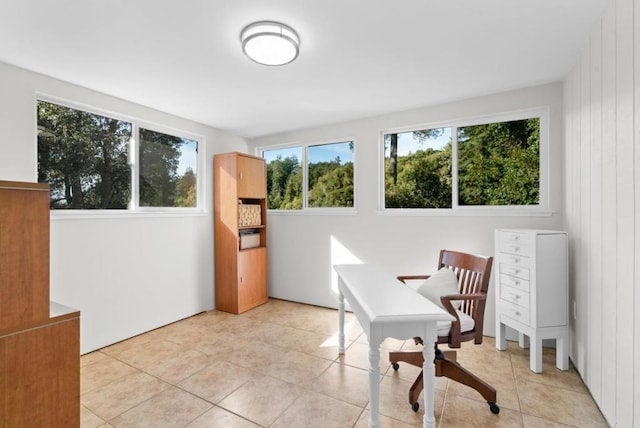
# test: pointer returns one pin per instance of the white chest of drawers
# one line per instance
(532, 291)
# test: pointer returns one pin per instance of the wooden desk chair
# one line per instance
(472, 274)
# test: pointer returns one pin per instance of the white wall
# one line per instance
(126, 275)
(602, 116)
(300, 252)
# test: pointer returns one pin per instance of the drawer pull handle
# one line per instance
(515, 249)
(516, 313)
(515, 296)
(514, 271)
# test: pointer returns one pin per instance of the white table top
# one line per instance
(385, 299)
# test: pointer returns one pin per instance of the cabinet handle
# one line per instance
(515, 296)
(515, 249)
(516, 313)
(240, 175)
(241, 279)
(514, 272)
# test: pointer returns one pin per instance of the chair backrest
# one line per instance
(473, 274)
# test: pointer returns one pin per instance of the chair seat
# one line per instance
(466, 324)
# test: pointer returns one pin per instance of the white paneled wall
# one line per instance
(602, 179)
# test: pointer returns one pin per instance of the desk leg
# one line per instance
(374, 383)
(341, 323)
(429, 376)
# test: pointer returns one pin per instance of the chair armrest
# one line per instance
(470, 296)
(455, 332)
(404, 278)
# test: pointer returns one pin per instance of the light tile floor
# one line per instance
(278, 366)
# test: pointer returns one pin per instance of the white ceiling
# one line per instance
(358, 58)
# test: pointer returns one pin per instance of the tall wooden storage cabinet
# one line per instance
(240, 222)
(39, 339)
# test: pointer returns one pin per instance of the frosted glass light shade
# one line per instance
(270, 43)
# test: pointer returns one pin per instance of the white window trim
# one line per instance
(542, 209)
(306, 210)
(134, 209)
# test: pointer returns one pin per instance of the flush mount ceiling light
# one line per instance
(270, 43)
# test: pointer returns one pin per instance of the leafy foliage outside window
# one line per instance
(418, 175)
(329, 176)
(161, 184)
(284, 178)
(85, 159)
(498, 164)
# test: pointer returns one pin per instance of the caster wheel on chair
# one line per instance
(415, 406)
(395, 366)
(494, 408)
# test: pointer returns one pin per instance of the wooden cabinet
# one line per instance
(24, 253)
(39, 339)
(532, 291)
(240, 187)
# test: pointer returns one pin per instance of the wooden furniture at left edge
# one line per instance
(39, 339)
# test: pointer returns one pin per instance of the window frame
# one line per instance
(542, 208)
(134, 208)
(306, 210)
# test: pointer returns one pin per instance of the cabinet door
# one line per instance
(252, 278)
(252, 177)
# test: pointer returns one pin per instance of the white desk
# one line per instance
(385, 307)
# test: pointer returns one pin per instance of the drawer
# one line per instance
(514, 247)
(513, 243)
(513, 259)
(513, 237)
(515, 271)
(515, 282)
(514, 311)
(514, 295)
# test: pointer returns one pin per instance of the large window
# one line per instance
(477, 164)
(310, 176)
(95, 162)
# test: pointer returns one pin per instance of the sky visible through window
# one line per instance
(407, 143)
(329, 153)
(188, 156)
(316, 153)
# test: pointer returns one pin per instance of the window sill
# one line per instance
(315, 212)
(471, 212)
(56, 215)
